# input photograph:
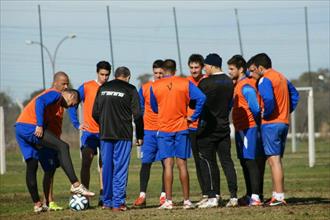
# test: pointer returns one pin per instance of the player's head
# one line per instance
(123, 73)
(196, 64)
(169, 67)
(212, 63)
(70, 97)
(236, 66)
(157, 69)
(261, 63)
(103, 70)
(60, 81)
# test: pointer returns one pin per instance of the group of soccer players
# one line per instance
(173, 117)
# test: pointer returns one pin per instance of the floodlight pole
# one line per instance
(177, 40)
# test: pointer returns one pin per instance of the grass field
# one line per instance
(307, 191)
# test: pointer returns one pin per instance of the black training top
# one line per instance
(219, 90)
(116, 103)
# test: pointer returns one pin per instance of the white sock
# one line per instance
(273, 194)
(279, 196)
(142, 194)
(255, 197)
(162, 194)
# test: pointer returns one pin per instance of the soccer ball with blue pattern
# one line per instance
(78, 202)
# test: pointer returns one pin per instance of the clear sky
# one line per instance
(143, 31)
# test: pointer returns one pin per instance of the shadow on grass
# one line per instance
(307, 201)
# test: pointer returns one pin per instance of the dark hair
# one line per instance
(196, 58)
(122, 71)
(103, 65)
(169, 65)
(263, 60)
(74, 92)
(238, 61)
(250, 62)
(157, 64)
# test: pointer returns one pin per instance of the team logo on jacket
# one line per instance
(112, 93)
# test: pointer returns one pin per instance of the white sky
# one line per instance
(143, 31)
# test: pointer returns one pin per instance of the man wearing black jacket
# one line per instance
(115, 104)
(213, 133)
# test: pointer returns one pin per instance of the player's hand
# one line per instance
(139, 142)
(39, 131)
(83, 127)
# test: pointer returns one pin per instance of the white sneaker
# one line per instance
(187, 204)
(210, 203)
(233, 202)
(167, 205)
(81, 189)
(202, 201)
(42, 208)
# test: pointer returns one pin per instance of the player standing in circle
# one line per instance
(116, 103)
(196, 64)
(279, 99)
(246, 120)
(149, 148)
(48, 158)
(213, 134)
(34, 132)
(169, 97)
(90, 139)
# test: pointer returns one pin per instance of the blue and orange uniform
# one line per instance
(169, 97)
(90, 137)
(246, 116)
(40, 111)
(279, 98)
(149, 148)
(193, 126)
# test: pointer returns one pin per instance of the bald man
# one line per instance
(47, 156)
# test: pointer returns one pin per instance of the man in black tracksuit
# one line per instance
(213, 134)
(116, 103)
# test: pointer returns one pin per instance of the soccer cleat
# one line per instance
(167, 205)
(81, 189)
(255, 202)
(54, 207)
(202, 201)
(140, 202)
(188, 205)
(210, 203)
(123, 207)
(275, 202)
(100, 203)
(162, 200)
(40, 208)
(244, 201)
(233, 202)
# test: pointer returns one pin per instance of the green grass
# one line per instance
(307, 191)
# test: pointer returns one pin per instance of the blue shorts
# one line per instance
(274, 138)
(27, 140)
(149, 149)
(48, 159)
(176, 144)
(90, 140)
(248, 143)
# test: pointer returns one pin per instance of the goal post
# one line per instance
(2, 142)
(311, 130)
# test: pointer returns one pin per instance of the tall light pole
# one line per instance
(52, 58)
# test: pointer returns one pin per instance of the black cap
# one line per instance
(213, 59)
